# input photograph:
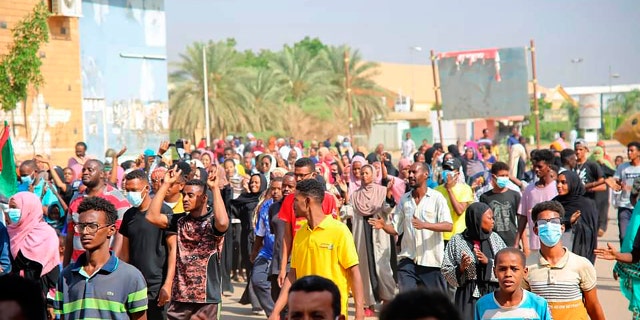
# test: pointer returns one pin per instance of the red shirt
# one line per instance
(110, 194)
(288, 215)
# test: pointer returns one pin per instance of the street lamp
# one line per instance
(611, 77)
(576, 61)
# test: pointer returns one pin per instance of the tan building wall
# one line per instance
(54, 114)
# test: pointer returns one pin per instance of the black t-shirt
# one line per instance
(277, 227)
(505, 206)
(589, 172)
(147, 246)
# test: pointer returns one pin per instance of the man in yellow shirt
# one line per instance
(324, 247)
(458, 194)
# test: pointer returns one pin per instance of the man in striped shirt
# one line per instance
(99, 285)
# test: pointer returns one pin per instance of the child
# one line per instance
(510, 301)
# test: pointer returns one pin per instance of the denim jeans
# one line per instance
(624, 215)
(261, 284)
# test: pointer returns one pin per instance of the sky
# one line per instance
(603, 33)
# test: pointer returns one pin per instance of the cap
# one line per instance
(452, 164)
(581, 143)
(600, 144)
(149, 153)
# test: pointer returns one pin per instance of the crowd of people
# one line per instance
(306, 225)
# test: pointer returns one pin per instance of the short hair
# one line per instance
(512, 250)
(305, 162)
(554, 167)
(485, 130)
(566, 154)
(499, 166)
(423, 165)
(289, 174)
(543, 155)
(99, 204)
(319, 284)
(552, 205)
(229, 160)
(127, 164)
(27, 293)
(82, 144)
(197, 182)
(137, 174)
(29, 163)
(229, 149)
(100, 163)
(634, 144)
(196, 152)
(311, 188)
(419, 304)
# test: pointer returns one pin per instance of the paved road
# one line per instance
(613, 303)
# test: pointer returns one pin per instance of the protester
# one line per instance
(625, 174)
(422, 216)
(322, 246)
(200, 234)
(23, 301)
(469, 257)
(314, 297)
(458, 195)
(408, 146)
(567, 281)
(104, 286)
(504, 203)
(420, 304)
(510, 301)
(602, 198)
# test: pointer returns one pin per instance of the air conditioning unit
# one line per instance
(66, 8)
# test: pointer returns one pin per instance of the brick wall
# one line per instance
(55, 122)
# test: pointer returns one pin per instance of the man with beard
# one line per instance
(94, 180)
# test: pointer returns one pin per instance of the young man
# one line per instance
(485, 139)
(458, 194)
(408, 146)
(146, 247)
(98, 285)
(566, 280)
(420, 304)
(277, 228)
(94, 180)
(510, 301)
(200, 234)
(422, 216)
(304, 169)
(314, 297)
(504, 203)
(625, 174)
(323, 246)
(543, 190)
(263, 248)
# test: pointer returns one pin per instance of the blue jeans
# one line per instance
(261, 284)
(624, 215)
(411, 275)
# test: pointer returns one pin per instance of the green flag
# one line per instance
(8, 177)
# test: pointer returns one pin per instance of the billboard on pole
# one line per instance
(487, 83)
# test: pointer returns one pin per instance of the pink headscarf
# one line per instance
(369, 199)
(354, 184)
(31, 235)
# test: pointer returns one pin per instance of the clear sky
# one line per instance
(602, 33)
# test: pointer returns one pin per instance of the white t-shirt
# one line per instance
(626, 173)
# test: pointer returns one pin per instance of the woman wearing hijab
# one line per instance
(602, 198)
(431, 159)
(474, 165)
(33, 243)
(455, 152)
(469, 256)
(581, 215)
(243, 208)
(355, 177)
(372, 200)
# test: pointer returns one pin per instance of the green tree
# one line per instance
(302, 73)
(314, 46)
(20, 67)
(366, 95)
(626, 103)
(264, 92)
(186, 103)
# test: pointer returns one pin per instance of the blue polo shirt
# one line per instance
(263, 229)
(112, 292)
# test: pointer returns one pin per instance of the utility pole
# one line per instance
(205, 76)
(347, 84)
(536, 112)
(436, 89)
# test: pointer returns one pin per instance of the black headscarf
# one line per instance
(453, 149)
(391, 170)
(474, 234)
(250, 197)
(428, 155)
(585, 229)
(372, 157)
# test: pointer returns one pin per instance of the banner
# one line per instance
(487, 83)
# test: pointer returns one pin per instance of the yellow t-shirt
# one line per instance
(326, 251)
(463, 193)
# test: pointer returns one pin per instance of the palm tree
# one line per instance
(186, 103)
(366, 95)
(628, 102)
(265, 93)
(303, 74)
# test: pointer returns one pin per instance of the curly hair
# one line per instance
(99, 204)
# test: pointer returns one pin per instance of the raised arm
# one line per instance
(221, 219)
(154, 214)
(113, 175)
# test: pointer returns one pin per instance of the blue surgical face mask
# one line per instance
(135, 198)
(346, 144)
(550, 233)
(502, 181)
(445, 175)
(26, 179)
(14, 215)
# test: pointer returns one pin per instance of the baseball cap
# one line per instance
(452, 164)
(149, 153)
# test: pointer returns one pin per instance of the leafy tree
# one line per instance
(314, 46)
(366, 95)
(264, 93)
(227, 113)
(20, 67)
(627, 103)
